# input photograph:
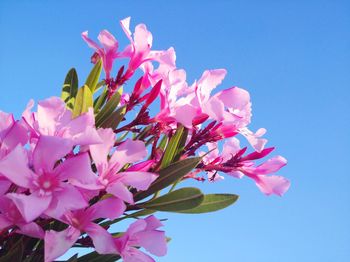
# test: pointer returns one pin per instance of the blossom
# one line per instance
(10, 216)
(54, 119)
(142, 233)
(81, 221)
(50, 192)
(108, 52)
(12, 133)
(139, 51)
(212, 157)
(233, 163)
(116, 182)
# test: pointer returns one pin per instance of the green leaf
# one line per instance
(181, 144)
(100, 100)
(178, 200)
(163, 142)
(94, 76)
(172, 147)
(70, 88)
(83, 101)
(95, 257)
(211, 203)
(113, 120)
(169, 175)
(15, 254)
(108, 109)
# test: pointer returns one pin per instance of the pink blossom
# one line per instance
(116, 182)
(108, 52)
(50, 193)
(277, 185)
(233, 163)
(54, 119)
(142, 233)
(140, 46)
(212, 157)
(12, 133)
(10, 216)
(81, 221)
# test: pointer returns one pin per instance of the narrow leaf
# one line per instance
(110, 106)
(169, 175)
(163, 142)
(100, 100)
(172, 147)
(70, 88)
(94, 76)
(211, 203)
(178, 200)
(113, 120)
(15, 254)
(83, 101)
(181, 144)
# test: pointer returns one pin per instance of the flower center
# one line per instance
(46, 184)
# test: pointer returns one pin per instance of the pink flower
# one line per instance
(52, 187)
(54, 119)
(81, 221)
(233, 163)
(142, 233)
(212, 158)
(108, 52)
(140, 46)
(116, 182)
(277, 185)
(12, 133)
(10, 216)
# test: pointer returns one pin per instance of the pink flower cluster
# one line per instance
(61, 176)
(46, 175)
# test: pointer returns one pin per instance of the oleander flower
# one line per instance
(142, 233)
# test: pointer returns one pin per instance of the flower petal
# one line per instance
(103, 241)
(4, 222)
(138, 180)
(48, 151)
(57, 243)
(128, 152)
(77, 170)
(32, 230)
(271, 166)
(110, 208)
(277, 185)
(119, 190)
(15, 167)
(153, 241)
(30, 206)
(99, 152)
(68, 198)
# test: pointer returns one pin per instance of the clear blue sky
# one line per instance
(293, 57)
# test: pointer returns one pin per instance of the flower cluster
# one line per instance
(80, 163)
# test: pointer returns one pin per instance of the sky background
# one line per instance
(292, 56)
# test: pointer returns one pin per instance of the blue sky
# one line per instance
(293, 57)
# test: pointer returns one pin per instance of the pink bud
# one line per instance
(200, 119)
(225, 131)
(143, 166)
(95, 57)
(151, 96)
